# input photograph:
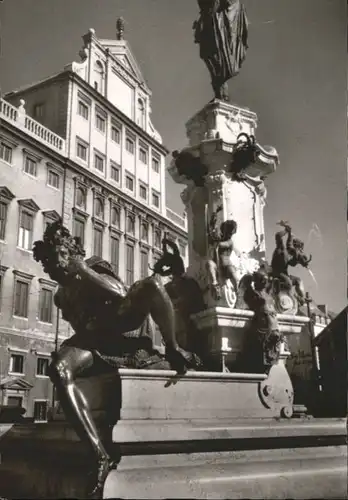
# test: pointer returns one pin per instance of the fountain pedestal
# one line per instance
(214, 135)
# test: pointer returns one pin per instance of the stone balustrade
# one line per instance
(10, 113)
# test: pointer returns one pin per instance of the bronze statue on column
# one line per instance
(222, 34)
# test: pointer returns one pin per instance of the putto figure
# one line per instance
(265, 329)
(288, 254)
(101, 311)
(221, 245)
(222, 33)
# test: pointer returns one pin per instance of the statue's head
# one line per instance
(228, 228)
(55, 250)
(260, 279)
(298, 244)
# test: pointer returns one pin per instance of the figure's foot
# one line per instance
(216, 290)
(104, 466)
(178, 359)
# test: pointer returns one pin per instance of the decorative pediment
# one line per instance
(125, 60)
(15, 383)
(51, 214)
(6, 194)
(29, 204)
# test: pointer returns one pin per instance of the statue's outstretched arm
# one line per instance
(79, 267)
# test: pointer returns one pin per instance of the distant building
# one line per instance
(79, 144)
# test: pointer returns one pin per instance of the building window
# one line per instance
(130, 145)
(129, 265)
(39, 111)
(155, 200)
(40, 411)
(83, 110)
(42, 367)
(25, 235)
(130, 226)
(115, 217)
(144, 264)
(99, 208)
(141, 113)
(129, 183)
(97, 241)
(30, 166)
(79, 230)
(3, 219)
(98, 162)
(157, 238)
(53, 179)
(114, 253)
(143, 155)
(16, 401)
(80, 198)
(156, 165)
(182, 249)
(17, 363)
(115, 173)
(99, 76)
(100, 123)
(144, 232)
(143, 192)
(81, 150)
(115, 134)
(21, 299)
(46, 303)
(5, 152)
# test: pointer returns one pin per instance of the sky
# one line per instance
(294, 78)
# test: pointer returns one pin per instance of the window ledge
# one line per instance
(30, 175)
(42, 376)
(24, 249)
(6, 163)
(20, 317)
(40, 421)
(52, 187)
(16, 373)
(45, 322)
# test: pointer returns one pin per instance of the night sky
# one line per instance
(294, 78)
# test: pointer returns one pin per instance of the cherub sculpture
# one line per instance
(265, 328)
(221, 245)
(100, 310)
(288, 254)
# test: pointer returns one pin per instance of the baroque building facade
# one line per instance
(78, 145)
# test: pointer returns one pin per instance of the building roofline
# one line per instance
(68, 73)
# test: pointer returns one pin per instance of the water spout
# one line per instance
(313, 277)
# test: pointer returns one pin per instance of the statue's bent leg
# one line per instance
(299, 288)
(151, 297)
(65, 367)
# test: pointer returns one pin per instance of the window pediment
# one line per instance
(32, 155)
(46, 282)
(80, 213)
(6, 194)
(29, 204)
(23, 275)
(19, 384)
(51, 214)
